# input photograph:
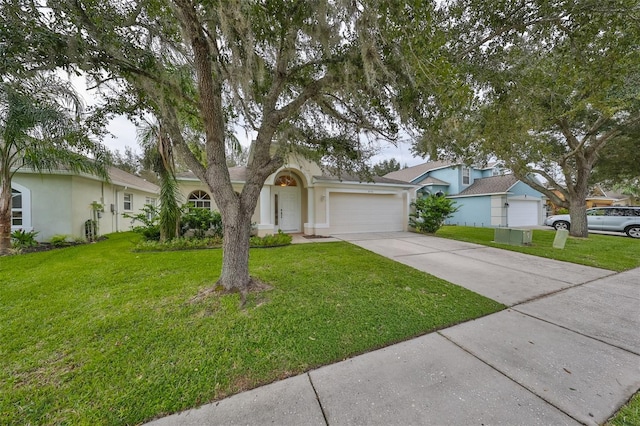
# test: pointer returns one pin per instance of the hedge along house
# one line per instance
(60, 202)
(484, 195)
(299, 198)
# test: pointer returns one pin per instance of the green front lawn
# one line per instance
(616, 253)
(97, 334)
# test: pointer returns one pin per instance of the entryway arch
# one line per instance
(287, 202)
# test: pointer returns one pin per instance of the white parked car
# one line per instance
(616, 219)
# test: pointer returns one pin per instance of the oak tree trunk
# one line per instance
(235, 249)
(578, 215)
(577, 194)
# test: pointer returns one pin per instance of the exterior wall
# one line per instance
(521, 188)
(83, 193)
(114, 220)
(51, 204)
(473, 211)
(62, 203)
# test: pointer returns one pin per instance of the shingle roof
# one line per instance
(490, 185)
(237, 174)
(411, 173)
(357, 179)
(120, 177)
(434, 181)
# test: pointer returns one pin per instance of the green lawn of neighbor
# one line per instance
(96, 334)
(616, 253)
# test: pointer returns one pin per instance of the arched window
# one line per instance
(285, 180)
(20, 207)
(200, 199)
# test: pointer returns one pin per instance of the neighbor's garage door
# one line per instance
(523, 213)
(365, 212)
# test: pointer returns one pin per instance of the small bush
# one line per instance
(279, 239)
(150, 228)
(431, 212)
(203, 222)
(22, 239)
(58, 240)
(180, 243)
(562, 210)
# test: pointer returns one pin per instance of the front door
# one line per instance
(287, 208)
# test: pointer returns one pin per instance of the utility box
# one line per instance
(502, 235)
(512, 236)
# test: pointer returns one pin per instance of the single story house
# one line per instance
(600, 196)
(60, 202)
(299, 198)
(485, 195)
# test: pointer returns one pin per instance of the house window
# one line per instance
(128, 202)
(200, 199)
(20, 207)
(466, 175)
(16, 208)
(151, 202)
(285, 180)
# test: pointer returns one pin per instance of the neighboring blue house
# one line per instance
(486, 197)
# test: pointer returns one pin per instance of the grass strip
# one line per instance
(615, 253)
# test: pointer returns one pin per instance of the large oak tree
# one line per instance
(313, 76)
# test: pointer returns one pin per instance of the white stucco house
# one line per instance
(60, 202)
(485, 195)
(299, 198)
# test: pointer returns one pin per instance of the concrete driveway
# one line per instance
(505, 276)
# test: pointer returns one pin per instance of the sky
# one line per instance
(123, 134)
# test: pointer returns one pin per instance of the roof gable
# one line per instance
(490, 185)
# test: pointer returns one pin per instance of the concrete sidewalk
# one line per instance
(570, 357)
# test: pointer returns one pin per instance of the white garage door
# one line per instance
(365, 212)
(523, 213)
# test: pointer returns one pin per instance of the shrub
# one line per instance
(180, 243)
(562, 210)
(431, 212)
(203, 222)
(22, 239)
(150, 228)
(58, 240)
(279, 239)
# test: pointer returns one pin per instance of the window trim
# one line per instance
(25, 209)
(201, 201)
(466, 175)
(127, 198)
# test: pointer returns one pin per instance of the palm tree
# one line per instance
(158, 156)
(41, 128)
